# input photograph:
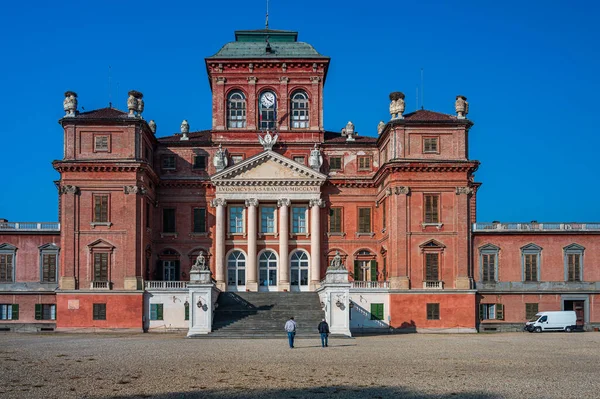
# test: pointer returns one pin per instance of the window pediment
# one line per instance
(489, 248)
(49, 247)
(101, 244)
(7, 247)
(531, 248)
(432, 244)
(574, 248)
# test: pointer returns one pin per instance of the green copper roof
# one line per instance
(253, 44)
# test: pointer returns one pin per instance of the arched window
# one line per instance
(299, 110)
(236, 269)
(236, 110)
(267, 104)
(267, 266)
(170, 265)
(299, 271)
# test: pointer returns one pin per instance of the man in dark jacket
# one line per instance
(324, 330)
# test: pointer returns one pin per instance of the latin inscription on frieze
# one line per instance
(267, 189)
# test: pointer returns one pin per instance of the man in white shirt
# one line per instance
(290, 328)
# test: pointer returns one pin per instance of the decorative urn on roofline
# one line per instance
(397, 105)
(70, 104)
(461, 106)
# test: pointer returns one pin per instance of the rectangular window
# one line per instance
(433, 311)
(199, 220)
(48, 312)
(236, 220)
(267, 219)
(101, 266)
(299, 219)
(100, 208)
(156, 311)
(9, 312)
(432, 203)
(169, 220)
(432, 266)
(101, 144)
(335, 220)
(364, 163)
(49, 268)
(199, 162)
(99, 311)
(531, 310)
(6, 268)
(377, 311)
(364, 220)
(531, 267)
(168, 162)
(299, 159)
(574, 262)
(235, 159)
(335, 163)
(491, 311)
(430, 145)
(488, 267)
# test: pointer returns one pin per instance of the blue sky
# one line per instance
(528, 68)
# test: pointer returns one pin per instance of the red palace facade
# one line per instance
(269, 197)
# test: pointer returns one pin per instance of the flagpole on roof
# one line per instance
(267, 19)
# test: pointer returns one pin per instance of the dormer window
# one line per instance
(236, 110)
(268, 107)
(299, 110)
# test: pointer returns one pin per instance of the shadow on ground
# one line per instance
(313, 393)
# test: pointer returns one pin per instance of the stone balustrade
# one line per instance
(433, 285)
(166, 285)
(534, 226)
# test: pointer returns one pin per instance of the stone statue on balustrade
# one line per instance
(200, 264)
(336, 263)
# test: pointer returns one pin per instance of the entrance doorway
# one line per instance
(578, 307)
(267, 270)
(299, 271)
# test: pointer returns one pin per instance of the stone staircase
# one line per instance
(263, 314)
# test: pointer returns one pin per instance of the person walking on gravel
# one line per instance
(324, 331)
(290, 328)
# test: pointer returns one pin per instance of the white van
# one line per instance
(553, 321)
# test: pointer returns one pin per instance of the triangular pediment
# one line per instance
(432, 244)
(268, 168)
(101, 244)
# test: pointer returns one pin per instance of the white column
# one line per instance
(315, 242)
(220, 204)
(251, 269)
(284, 235)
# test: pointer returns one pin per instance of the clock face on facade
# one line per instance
(267, 99)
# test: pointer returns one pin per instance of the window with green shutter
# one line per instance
(38, 311)
(100, 208)
(356, 270)
(187, 310)
(15, 312)
(199, 220)
(373, 270)
(377, 311)
(101, 266)
(156, 311)
(335, 220)
(9, 312)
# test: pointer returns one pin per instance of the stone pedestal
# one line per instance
(335, 296)
(203, 296)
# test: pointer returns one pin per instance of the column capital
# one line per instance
(315, 79)
(68, 189)
(283, 202)
(317, 202)
(218, 202)
(251, 202)
(464, 190)
(402, 190)
(134, 190)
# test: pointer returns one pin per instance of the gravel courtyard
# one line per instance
(512, 365)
